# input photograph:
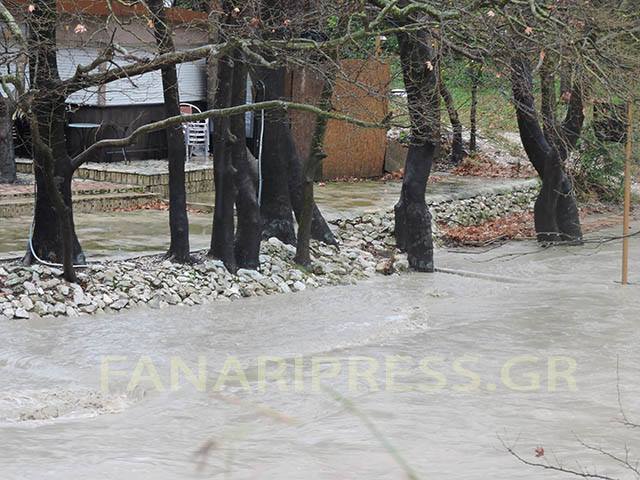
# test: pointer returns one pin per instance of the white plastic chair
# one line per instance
(196, 134)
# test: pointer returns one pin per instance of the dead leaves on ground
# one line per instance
(511, 227)
(481, 166)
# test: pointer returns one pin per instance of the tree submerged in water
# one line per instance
(589, 44)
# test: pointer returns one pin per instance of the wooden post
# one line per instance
(627, 195)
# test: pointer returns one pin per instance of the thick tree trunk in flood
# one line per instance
(412, 216)
(247, 241)
(556, 212)
(282, 171)
(53, 232)
(457, 148)
(176, 150)
(7, 153)
(278, 148)
(283, 179)
(222, 236)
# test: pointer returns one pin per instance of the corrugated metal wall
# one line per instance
(351, 151)
(139, 90)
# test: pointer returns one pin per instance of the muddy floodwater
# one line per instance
(448, 369)
(123, 234)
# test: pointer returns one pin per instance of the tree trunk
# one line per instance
(222, 241)
(316, 155)
(476, 73)
(548, 101)
(53, 231)
(212, 62)
(571, 127)
(555, 212)
(54, 238)
(457, 148)
(176, 150)
(247, 241)
(288, 165)
(297, 183)
(282, 169)
(570, 132)
(278, 149)
(412, 216)
(7, 153)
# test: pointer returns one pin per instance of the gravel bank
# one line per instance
(367, 248)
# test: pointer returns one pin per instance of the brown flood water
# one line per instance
(528, 356)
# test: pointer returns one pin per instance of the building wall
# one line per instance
(138, 40)
(138, 90)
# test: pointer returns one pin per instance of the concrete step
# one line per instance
(198, 178)
(28, 191)
(87, 203)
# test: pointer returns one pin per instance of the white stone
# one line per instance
(26, 302)
(63, 289)
(119, 304)
(59, 308)
(298, 286)
(30, 288)
(40, 308)
(252, 274)
(295, 274)
(79, 298)
(89, 308)
(275, 242)
(173, 299)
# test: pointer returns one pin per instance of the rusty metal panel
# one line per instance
(362, 93)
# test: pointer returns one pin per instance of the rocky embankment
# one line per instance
(367, 248)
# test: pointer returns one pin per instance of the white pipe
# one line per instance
(260, 158)
(33, 221)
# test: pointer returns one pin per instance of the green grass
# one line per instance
(495, 111)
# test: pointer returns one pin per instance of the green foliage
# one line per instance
(598, 172)
(495, 111)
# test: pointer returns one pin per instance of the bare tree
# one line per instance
(412, 216)
(176, 150)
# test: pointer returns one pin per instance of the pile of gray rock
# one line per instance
(374, 231)
(106, 287)
(479, 209)
(367, 248)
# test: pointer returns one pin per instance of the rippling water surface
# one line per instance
(438, 363)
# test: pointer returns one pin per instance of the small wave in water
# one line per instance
(51, 405)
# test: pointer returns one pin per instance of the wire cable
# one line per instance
(31, 227)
